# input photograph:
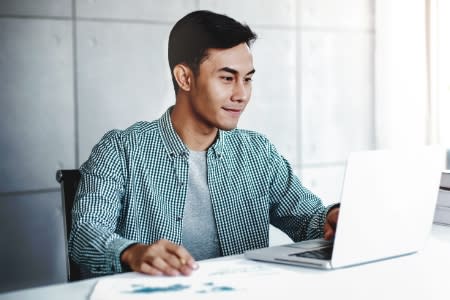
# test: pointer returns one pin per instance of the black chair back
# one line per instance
(69, 180)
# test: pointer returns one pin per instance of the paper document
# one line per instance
(222, 279)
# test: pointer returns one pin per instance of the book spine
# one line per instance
(445, 180)
(443, 198)
(442, 215)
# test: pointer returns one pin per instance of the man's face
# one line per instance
(222, 88)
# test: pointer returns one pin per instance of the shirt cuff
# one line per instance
(330, 207)
(116, 249)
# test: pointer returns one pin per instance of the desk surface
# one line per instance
(423, 275)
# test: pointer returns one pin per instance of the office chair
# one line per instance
(69, 180)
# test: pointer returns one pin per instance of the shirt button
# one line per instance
(181, 183)
(178, 218)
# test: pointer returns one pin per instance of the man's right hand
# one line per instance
(161, 258)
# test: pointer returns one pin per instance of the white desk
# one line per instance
(423, 275)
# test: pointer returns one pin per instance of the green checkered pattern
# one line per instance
(133, 189)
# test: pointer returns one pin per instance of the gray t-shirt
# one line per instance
(199, 226)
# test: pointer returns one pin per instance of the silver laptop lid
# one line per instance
(387, 203)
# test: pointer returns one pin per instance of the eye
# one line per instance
(248, 79)
(227, 78)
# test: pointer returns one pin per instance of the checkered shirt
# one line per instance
(133, 189)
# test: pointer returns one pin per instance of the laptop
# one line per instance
(387, 207)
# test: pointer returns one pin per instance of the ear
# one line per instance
(183, 76)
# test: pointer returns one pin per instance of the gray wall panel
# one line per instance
(48, 8)
(255, 12)
(153, 10)
(123, 77)
(272, 109)
(331, 14)
(336, 95)
(36, 119)
(33, 248)
(325, 181)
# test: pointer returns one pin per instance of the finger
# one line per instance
(176, 263)
(328, 234)
(186, 270)
(172, 260)
(147, 269)
(183, 255)
(328, 231)
(326, 226)
(330, 223)
(164, 267)
(333, 217)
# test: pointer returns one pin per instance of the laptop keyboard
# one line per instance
(322, 253)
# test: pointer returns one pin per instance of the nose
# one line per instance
(241, 91)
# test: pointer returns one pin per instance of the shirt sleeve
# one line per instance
(293, 209)
(93, 241)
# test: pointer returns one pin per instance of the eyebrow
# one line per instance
(234, 72)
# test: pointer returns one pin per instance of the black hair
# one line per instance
(198, 31)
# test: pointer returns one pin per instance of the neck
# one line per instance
(195, 135)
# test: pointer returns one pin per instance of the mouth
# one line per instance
(233, 111)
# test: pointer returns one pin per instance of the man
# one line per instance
(160, 195)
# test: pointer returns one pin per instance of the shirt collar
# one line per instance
(218, 145)
(175, 146)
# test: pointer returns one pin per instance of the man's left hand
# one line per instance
(329, 229)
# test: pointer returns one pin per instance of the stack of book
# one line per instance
(442, 213)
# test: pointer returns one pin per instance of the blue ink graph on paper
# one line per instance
(139, 289)
(212, 288)
(209, 287)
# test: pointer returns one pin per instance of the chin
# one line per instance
(227, 127)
